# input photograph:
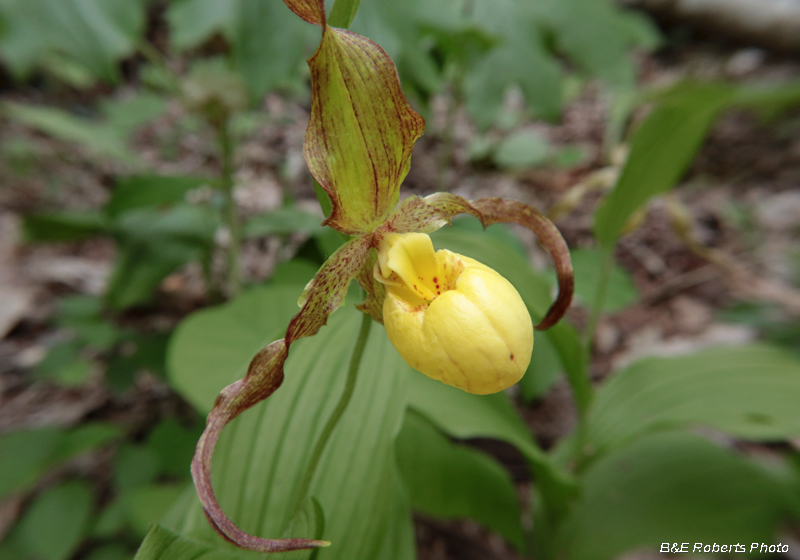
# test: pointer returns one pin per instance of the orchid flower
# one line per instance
(448, 316)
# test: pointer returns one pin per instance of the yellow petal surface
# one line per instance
(451, 317)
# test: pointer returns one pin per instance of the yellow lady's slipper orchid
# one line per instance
(447, 315)
(451, 317)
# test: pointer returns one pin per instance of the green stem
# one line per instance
(448, 134)
(154, 57)
(230, 212)
(344, 400)
(599, 301)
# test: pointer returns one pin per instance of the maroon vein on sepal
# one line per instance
(312, 11)
(361, 131)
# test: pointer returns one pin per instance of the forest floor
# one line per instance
(742, 194)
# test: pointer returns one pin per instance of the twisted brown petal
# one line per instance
(321, 297)
(431, 213)
(313, 11)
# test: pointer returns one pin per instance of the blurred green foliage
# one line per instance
(631, 475)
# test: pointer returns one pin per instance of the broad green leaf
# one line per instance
(597, 36)
(452, 481)
(749, 392)
(143, 191)
(261, 457)
(126, 114)
(114, 551)
(63, 226)
(174, 444)
(193, 21)
(309, 523)
(152, 244)
(147, 505)
(94, 33)
(213, 348)
(544, 369)
(269, 43)
(673, 487)
(96, 136)
(464, 415)
(296, 271)
(27, 455)
(660, 152)
(588, 264)
(164, 544)
(60, 358)
(361, 131)
(769, 100)
(398, 28)
(283, 221)
(534, 290)
(520, 59)
(135, 466)
(24, 456)
(83, 316)
(148, 355)
(56, 522)
(522, 149)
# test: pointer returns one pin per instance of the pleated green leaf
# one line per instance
(750, 392)
(660, 152)
(164, 544)
(93, 33)
(263, 454)
(453, 481)
(673, 487)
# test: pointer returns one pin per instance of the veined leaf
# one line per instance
(453, 481)
(100, 139)
(520, 58)
(142, 191)
(282, 221)
(269, 43)
(362, 130)
(163, 544)
(193, 21)
(673, 487)
(588, 264)
(464, 415)
(262, 455)
(27, 455)
(597, 36)
(660, 152)
(152, 245)
(212, 349)
(63, 226)
(750, 392)
(63, 514)
(94, 33)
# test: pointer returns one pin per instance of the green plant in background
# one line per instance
(583, 494)
(358, 146)
(637, 470)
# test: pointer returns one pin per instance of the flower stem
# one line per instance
(599, 301)
(338, 412)
(231, 213)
